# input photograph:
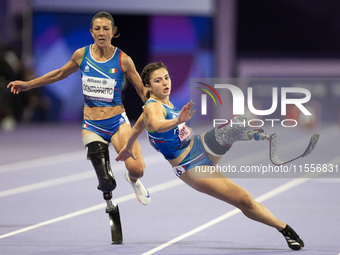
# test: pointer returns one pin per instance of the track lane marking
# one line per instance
(284, 148)
(327, 134)
(154, 189)
(269, 194)
(71, 178)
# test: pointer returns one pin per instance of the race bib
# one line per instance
(185, 133)
(98, 89)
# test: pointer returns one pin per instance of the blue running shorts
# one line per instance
(196, 157)
(106, 128)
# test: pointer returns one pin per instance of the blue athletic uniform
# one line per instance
(102, 81)
(167, 143)
(107, 127)
(196, 157)
(102, 85)
(170, 145)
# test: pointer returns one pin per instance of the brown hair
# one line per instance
(148, 70)
(108, 16)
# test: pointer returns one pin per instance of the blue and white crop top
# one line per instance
(102, 81)
(168, 143)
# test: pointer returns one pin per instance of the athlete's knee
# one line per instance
(98, 153)
(246, 202)
(136, 170)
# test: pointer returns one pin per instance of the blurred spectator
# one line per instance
(36, 105)
(9, 70)
(25, 107)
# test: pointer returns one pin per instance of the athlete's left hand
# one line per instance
(186, 112)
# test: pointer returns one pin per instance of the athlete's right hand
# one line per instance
(186, 112)
(124, 154)
(18, 86)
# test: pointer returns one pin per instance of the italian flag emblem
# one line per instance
(113, 70)
(85, 125)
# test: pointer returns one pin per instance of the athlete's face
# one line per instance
(160, 83)
(102, 32)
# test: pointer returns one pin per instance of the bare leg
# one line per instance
(135, 167)
(221, 187)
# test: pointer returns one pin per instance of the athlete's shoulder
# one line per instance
(80, 52)
(124, 58)
(127, 62)
(152, 104)
(77, 56)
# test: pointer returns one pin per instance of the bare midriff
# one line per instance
(101, 113)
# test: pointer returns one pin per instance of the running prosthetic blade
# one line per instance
(116, 226)
(273, 150)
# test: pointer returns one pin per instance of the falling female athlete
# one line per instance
(168, 134)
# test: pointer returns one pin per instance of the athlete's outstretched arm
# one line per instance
(127, 151)
(56, 75)
(133, 76)
(155, 115)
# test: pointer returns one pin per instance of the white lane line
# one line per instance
(326, 134)
(151, 160)
(45, 161)
(227, 215)
(270, 194)
(90, 209)
(154, 189)
(49, 183)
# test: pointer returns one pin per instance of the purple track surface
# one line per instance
(50, 204)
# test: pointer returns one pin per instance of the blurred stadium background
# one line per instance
(194, 38)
